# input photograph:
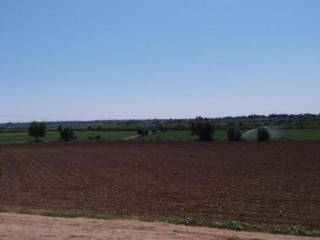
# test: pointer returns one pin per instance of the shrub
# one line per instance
(37, 130)
(263, 135)
(153, 130)
(142, 132)
(59, 128)
(67, 134)
(96, 137)
(203, 129)
(234, 134)
(161, 128)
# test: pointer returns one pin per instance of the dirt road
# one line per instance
(132, 137)
(32, 227)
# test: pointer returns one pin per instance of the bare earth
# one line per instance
(32, 227)
(274, 183)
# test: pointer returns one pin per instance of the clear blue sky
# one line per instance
(119, 59)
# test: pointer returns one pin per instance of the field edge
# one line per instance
(227, 224)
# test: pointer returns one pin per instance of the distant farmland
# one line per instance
(21, 136)
(221, 134)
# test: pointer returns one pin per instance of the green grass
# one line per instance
(291, 134)
(299, 134)
(75, 214)
(182, 135)
(242, 226)
(106, 135)
(176, 135)
(22, 136)
(221, 134)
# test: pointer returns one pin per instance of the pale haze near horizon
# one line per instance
(86, 60)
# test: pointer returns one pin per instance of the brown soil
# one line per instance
(270, 183)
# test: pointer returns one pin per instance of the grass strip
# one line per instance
(229, 224)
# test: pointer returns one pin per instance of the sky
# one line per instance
(124, 59)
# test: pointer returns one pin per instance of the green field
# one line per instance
(221, 134)
(298, 134)
(182, 135)
(22, 136)
(174, 135)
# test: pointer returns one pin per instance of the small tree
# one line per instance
(203, 129)
(153, 130)
(59, 128)
(263, 135)
(67, 134)
(37, 130)
(234, 134)
(142, 132)
(161, 128)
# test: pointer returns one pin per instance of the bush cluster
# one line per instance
(263, 135)
(234, 134)
(67, 134)
(96, 137)
(203, 129)
(142, 132)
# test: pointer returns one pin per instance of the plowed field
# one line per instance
(271, 183)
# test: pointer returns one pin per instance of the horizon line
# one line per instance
(146, 119)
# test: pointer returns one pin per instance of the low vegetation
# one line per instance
(96, 137)
(22, 136)
(230, 224)
(142, 132)
(280, 127)
(234, 134)
(67, 134)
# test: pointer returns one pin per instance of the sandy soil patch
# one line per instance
(32, 227)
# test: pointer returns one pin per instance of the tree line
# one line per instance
(200, 127)
(38, 130)
(204, 131)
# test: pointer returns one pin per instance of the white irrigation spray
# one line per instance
(252, 133)
(274, 132)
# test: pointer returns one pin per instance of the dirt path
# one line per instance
(132, 137)
(32, 227)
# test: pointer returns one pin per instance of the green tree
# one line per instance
(67, 134)
(142, 132)
(59, 128)
(263, 135)
(202, 129)
(234, 134)
(37, 130)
